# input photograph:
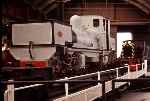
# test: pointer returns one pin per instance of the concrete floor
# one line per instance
(135, 96)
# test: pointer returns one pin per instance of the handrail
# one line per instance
(11, 83)
(66, 80)
(131, 80)
(52, 82)
(30, 86)
(112, 69)
(75, 77)
(30, 49)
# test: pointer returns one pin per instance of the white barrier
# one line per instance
(95, 91)
(145, 65)
(88, 94)
(9, 93)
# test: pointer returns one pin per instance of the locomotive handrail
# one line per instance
(30, 49)
(84, 50)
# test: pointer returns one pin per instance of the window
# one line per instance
(95, 22)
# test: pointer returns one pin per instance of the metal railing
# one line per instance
(9, 93)
(129, 80)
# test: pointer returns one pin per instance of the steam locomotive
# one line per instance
(134, 53)
(74, 49)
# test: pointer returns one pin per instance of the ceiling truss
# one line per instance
(46, 6)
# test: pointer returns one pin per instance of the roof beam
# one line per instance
(144, 3)
(45, 4)
(114, 22)
(138, 5)
(36, 2)
(50, 8)
(29, 3)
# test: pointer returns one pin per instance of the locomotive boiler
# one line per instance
(69, 49)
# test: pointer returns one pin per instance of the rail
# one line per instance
(9, 93)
